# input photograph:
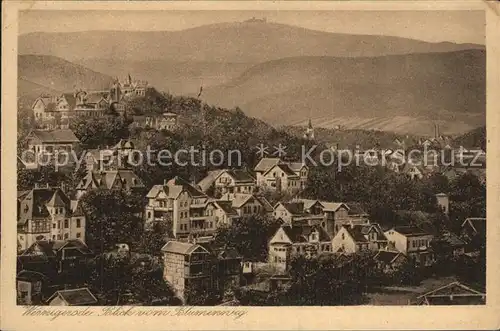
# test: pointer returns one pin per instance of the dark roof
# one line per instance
(266, 163)
(477, 224)
(298, 234)
(296, 166)
(240, 175)
(209, 179)
(178, 247)
(34, 204)
(71, 99)
(453, 240)
(356, 208)
(51, 247)
(226, 206)
(454, 293)
(286, 169)
(356, 233)
(386, 256)
(76, 297)
(56, 136)
(110, 178)
(295, 208)
(30, 276)
(228, 254)
(124, 144)
(410, 230)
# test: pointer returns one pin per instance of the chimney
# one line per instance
(63, 187)
(37, 185)
(165, 181)
(47, 185)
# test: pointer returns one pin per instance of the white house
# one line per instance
(413, 242)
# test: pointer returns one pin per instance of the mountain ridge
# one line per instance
(240, 42)
(394, 90)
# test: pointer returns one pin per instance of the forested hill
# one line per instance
(472, 139)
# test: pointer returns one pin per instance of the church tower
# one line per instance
(309, 134)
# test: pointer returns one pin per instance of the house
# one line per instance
(89, 104)
(99, 159)
(248, 204)
(473, 232)
(73, 297)
(413, 171)
(124, 151)
(452, 244)
(454, 293)
(389, 260)
(62, 261)
(228, 181)
(304, 240)
(166, 121)
(181, 203)
(47, 214)
(301, 170)
(228, 268)
(295, 213)
(281, 178)
(40, 141)
(121, 179)
(354, 238)
(187, 267)
(190, 268)
(276, 174)
(29, 285)
(208, 182)
(335, 214)
(222, 212)
(413, 242)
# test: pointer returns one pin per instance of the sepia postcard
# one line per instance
(220, 165)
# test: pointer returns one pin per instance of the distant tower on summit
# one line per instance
(309, 134)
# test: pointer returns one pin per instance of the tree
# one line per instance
(118, 281)
(153, 240)
(327, 280)
(111, 218)
(248, 235)
(96, 132)
(43, 176)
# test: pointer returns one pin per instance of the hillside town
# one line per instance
(106, 231)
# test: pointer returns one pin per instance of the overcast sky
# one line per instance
(433, 26)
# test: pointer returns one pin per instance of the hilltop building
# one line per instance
(55, 112)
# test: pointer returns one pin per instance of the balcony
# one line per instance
(198, 218)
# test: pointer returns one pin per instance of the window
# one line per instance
(66, 224)
(66, 236)
(343, 236)
(54, 237)
(58, 224)
(78, 223)
(58, 237)
(78, 235)
(54, 225)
